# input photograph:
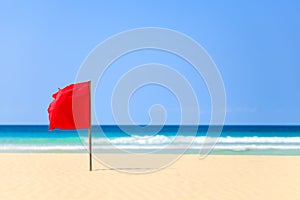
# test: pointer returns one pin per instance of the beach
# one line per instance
(66, 176)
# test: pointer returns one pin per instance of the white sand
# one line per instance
(66, 176)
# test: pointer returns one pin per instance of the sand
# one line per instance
(66, 176)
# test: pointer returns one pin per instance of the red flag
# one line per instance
(70, 108)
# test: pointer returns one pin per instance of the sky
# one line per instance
(254, 44)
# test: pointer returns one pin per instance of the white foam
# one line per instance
(163, 142)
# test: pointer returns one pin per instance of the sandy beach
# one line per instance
(66, 176)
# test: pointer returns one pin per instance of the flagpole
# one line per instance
(90, 130)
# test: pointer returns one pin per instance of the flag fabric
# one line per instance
(70, 108)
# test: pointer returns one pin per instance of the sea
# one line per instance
(233, 140)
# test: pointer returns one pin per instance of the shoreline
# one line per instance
(279, 153)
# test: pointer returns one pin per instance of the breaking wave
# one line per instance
(150, 142)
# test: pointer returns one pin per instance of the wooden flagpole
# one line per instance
(90, 130)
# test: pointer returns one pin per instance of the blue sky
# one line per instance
(255, 45)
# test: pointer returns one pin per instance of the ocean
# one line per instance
(234, 140)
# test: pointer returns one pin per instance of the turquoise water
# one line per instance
(241, 140)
